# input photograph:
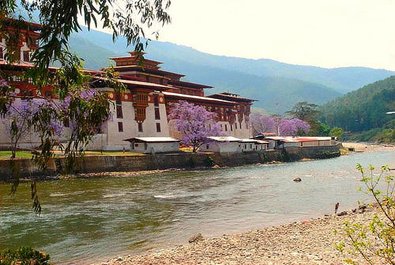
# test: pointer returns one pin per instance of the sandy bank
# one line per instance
(306, 242)
(367, 147)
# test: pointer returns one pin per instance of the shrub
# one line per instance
(374, 241)
(209, 161)
(23, 256)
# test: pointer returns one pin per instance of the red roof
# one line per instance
(191, 97)
(32, 25)
(138, 83)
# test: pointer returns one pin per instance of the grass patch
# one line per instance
(186, 149)
(4, 155)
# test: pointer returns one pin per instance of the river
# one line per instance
(87, 220)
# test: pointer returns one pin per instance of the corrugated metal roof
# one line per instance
(284, 139)
(253, 141)
(290, 139)
(224, 138)
(262, 142)
(153, 139)
(234, 139)
(310, 139)
(248, 141)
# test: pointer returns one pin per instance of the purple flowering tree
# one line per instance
(194, 123)
(18, 123)
(293, 127)
(18, 120)
(262, 123)
(276, 124)
(84, 110)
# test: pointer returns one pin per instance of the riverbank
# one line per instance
(165, 161)
(368, 147)
(305, 242)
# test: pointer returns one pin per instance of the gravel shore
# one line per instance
(306, 242)
(369, 147)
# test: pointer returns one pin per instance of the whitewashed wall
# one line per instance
(152, 148)
(221, 147)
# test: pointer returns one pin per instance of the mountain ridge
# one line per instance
(277, 86)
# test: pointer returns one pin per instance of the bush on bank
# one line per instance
(374, 241)
(23, 256)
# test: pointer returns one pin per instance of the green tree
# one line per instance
(129, 18)
(337, 132)
(23, 255)
(363, 109)
(374, 240)
(309, 112)
(304, 111)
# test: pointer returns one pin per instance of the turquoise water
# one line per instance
(88, 220)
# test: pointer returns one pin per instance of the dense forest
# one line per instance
(363, 112)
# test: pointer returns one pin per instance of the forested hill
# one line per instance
(363, 109)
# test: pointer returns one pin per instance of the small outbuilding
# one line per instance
(222, 144)
(247, 145)
(316, 141)
(250, 145)
(261, 145)
(152, 145)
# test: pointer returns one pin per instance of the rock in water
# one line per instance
(298, 180)
(196, 238)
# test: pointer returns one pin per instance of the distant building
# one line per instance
(230, 144)
(222, 144)
(153, 145)
(253, 145)
(142, 110)
(279, 142)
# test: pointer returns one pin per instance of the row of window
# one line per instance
(18, 78)
(140, 112)
(140, 127)
(245, 147)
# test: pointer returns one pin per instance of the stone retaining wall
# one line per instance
(94, 164)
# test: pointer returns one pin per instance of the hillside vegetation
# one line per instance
(364, 111)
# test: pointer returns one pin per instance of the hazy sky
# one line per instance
(327, 33)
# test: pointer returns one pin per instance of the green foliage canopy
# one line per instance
(59, 19)
(337, 132)
(23, 256)
(363, 109)
(304, 111)
(373, 240)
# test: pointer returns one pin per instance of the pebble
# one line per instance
(295, 243)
